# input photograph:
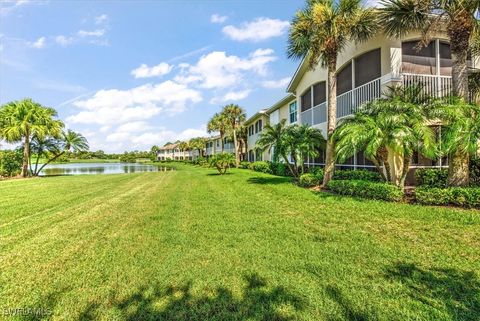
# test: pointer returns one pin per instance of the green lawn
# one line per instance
(192, 245)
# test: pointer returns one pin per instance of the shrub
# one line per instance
(279, 169)
(475, 171)
(261, 166)
(361, 174)
(366, 189)
(201, 161)
(460, 196)
(244, 165)
(308, 180)
(222, 162)
(10, 162)
(431, 177)
(318, 172)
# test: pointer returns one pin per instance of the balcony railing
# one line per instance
(349, 102)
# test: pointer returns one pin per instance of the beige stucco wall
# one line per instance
(252, 140)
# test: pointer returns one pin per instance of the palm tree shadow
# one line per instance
(348, 310)
(257, 302)
(456, 290)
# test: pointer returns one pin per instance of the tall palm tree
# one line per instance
(218, 123)
(24, 119)
(235, 116)
(389, 131)
(319, 33)
(459, 18)
(69, 141)
(460, 136)
(197, 143)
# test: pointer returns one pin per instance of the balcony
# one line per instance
(349, 102)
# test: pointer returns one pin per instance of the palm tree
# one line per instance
(272, 137)
(235, 116)
(458, 17)
(301, 142)
(319, 33)
(460, 136)
(389, 131)
(218, 123)
(24, 119)
(41, 148)
(198, 144)
(183, 146)
(69, 141)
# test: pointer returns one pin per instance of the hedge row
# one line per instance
(365, 189)
(460, 196)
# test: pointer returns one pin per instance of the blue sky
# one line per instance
(130, 74)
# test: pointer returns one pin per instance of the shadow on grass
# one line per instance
(348, 310)
(218, 174)
(456, 291)
(274, 180)
(258, 302)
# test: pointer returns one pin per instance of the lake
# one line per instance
(100, 168)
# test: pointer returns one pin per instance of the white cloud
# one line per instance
(40, 43)
(59, 86)
(64, 40)
(274, 84)
(101, 19)
(216, 18)
(114, 106)
(7, 6)
(94, 33)
(134, 127)
(159, 70)
(231, 96)
(257, 30)
(218, 70)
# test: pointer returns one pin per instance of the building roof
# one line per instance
(280, 103)
(297, 76)
(169, 146)
(262, 112)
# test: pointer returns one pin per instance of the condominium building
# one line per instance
(254, 127)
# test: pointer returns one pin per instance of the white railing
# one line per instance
(306, 117)
(432, 85)
(347, 103)
(315, 115)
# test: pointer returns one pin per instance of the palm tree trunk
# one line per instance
(406, 169)
(26, 154)
(48, 162)
(332, 122)
(396, 166)
(222, 143)
(379, 168)
(459, 33)
(458, 169)
(235, 145)
(285, 159)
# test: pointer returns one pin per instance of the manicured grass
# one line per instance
(193, 245)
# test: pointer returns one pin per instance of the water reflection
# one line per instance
(100, 168)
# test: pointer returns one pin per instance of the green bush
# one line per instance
(222, 162)
(475, 172)
(10, 162)
(366, 189)
(360, 174)
(261, 166)
(460, 196)
(200, 161)
(318, 172)
(244, 165)
(431, 177)
(308, 180)
(279, 169)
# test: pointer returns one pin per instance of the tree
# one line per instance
(24, 119)
(458, 17)
(272, 138)
(389, 131)
(460, 136)
(218, 123)
(300, 142)
(69, 141)
(319, 33)
(198, 144)
(222, 162)
(235, 116)
(10, 162)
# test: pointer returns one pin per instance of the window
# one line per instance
(306, 100)
(260, 125)
(367, 67)
(258, 155)
(293, 111)
(251, 156)
(418, 59)
(319, 93)
(256, 127)
(344, 79)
